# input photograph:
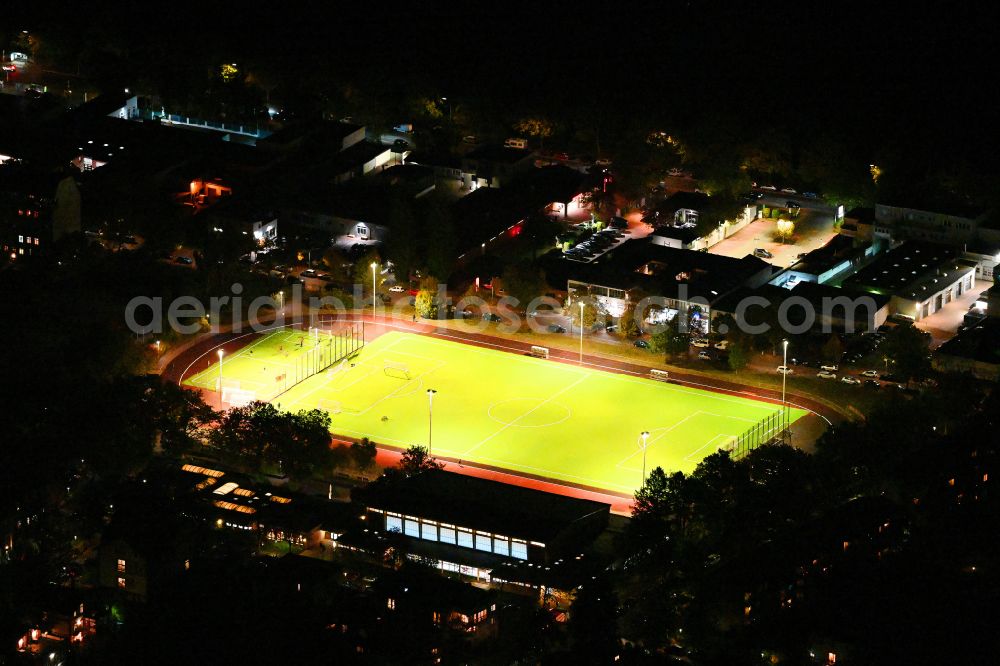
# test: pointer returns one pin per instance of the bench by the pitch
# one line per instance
(539, 352)
(659, 375)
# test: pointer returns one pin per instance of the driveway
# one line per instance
(943, 324)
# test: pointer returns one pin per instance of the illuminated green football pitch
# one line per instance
(506, 410)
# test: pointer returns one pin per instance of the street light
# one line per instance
(784, 376)
(374, 266)
(221, 353)
(430, 419)
(582, 305)
(644, 436)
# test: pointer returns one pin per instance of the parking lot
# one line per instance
(813, 229)
(597, 244)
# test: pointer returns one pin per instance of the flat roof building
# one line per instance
(478, 528)
(833, 262)
(683, 278)
(919, 277)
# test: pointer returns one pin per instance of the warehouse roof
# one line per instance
(913, 270)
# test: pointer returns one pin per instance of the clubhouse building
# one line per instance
(480, 529)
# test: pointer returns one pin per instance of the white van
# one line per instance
(520, 144)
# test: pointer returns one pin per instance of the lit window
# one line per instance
(501, 546)
(483, 542)
(519, 549)
(447, 534)
(121, 566)
(20, 239)
(411, 527)
(428, 531)
(465, 538)
(393, 524)
(390, 603)
(121, 583)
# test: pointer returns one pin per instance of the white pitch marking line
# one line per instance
(530, 411)
(690, 456)
(658, 437)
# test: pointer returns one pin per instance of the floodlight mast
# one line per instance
(644, 436)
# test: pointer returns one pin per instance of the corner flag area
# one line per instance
(519, 413)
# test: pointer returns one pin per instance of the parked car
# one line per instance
(602, 162)
(788, 190)
(489, 316)
(471, 139)
(309, 273)
(770, 188)
(761, 253)
(829, 367)
(704, 356)
(826, 374)
(870, 373)
(847, 379)
(722, 346)
(700, 343)
(618, 222)
(641, 344)
(399, 145)
(810, 195)
(397, 289)
(556, 328)
(784, 370)
(186, 261)
(872, 384)
(791, 204)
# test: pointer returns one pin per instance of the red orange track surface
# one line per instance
(200, 354)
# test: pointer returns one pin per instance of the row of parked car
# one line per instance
(596, 245)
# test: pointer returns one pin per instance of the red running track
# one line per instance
(201, 352)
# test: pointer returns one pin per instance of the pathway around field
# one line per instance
(803, 432)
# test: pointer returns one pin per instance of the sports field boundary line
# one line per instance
(514, 474)
(530, 411)
(689, 456)
(663, 432)
(483, 340)
(615, 370)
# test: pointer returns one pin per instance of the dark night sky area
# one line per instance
(917, 76)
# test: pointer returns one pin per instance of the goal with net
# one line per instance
(330, 406)
(397, 370)
(235, 396)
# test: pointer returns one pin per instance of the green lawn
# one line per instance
(507, 410)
